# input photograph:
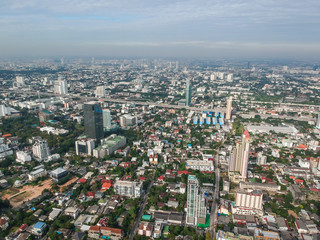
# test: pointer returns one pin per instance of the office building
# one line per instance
(40, 150)
(229, 108)
(106, 119)
(196, 203)
(85, 146)
(128, 120)
(93, 122)
(128, 188)
(188, 93)
(109, 145)
(100, 91)
(60, 86)
(238, 165)
(58, 174)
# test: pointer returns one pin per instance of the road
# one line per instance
(124, 101)
(214, 209)
(141, 210)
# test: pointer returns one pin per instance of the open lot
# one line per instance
(17, 196)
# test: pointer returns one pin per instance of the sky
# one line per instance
(161, 28)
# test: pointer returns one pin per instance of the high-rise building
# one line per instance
(238, 165)
(41, 150)
(229, 108)
(106, 119)
(318, 120)
(20, 80)
(196, 203)
(100, 91)
(188, 93)
(93, 123)
(60, 86)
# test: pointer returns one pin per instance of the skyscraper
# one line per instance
(93, 122)
(60, 86)
(106, 119)
(318, 120)
(188, 93)
(229, 108)
(238, 165)
(196, 203)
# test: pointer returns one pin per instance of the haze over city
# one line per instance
(211, 29)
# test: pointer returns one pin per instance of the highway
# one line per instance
(140, 213)
(214, 209)
(123, 101)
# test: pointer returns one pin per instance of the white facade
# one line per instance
(128, 188)
(100, 91)
(249, 200)
(229, 108)
(40, 150)
(60, 87)
(200, 165)
(4, 149)
(36, 174)
(261, 159)
(23, 157)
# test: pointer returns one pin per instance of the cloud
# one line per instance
(163, 23)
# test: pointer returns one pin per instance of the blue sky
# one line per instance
(188, 28)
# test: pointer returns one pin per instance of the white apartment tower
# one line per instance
(41, 150)
(60, 86)
(229, 109)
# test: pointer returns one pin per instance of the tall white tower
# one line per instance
(229, 108)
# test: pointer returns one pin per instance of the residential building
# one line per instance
(222, 235)
(188, 93)
(22, 157)
(238, 165)
(260, 234)
(40, 149)
(196, 203)
(128, 188)
(100, 91)
(60, 86)
(248, 203)
(200, 165)
(93, 122)
(145, 229)
(229, 108)
(5, 150)
(261, 159)
(38, 229)
(128, 120)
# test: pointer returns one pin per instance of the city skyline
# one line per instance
(286, 29)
